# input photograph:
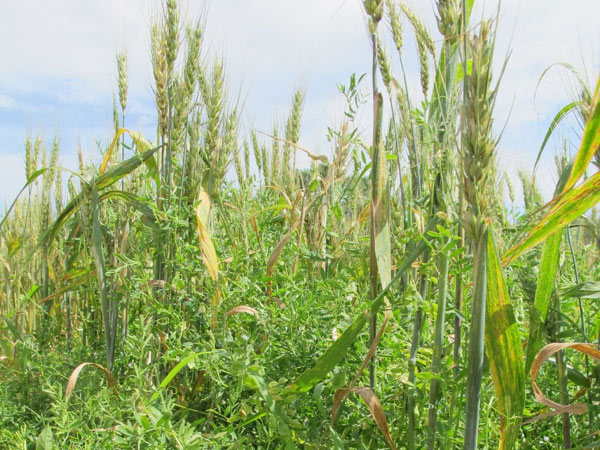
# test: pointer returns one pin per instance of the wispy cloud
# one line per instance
(59, 70)
(7, 102)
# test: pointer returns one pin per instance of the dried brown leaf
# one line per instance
(542, 356)
(112, 382)
(373, 404)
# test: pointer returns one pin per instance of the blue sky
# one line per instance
(57, 71)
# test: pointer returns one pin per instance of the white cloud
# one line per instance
(6, 101)
(65, 50)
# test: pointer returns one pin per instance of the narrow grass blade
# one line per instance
(141, 143)
(125, 168)
(31, 179)
(103, 181)
(174, 371)
(504, 349)
(545, 281)
(564, 112)
(589, 289)
(110, 149)
(543, 291)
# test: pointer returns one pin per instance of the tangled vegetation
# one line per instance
(389, 295)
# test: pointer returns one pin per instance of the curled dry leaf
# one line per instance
(156, 284)
(341, 394)
(112, 382)
(373, 404)
(542, 356)
(245, 309)
(242, 309)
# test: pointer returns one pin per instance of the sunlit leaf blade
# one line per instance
(543, 290)
(545, 281)
(569, 207)
(173, 373)
(589, 143)
(141, 143)
(110, 150)
(504, 349)
(555, 122)
(103, 181)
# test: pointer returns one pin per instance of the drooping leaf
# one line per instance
(567, 208)
(124, 168)
(142, 145)
(572, 202)
(112, 382)
(564, 112)
(133, 201)
(372, 403)
(332, 356)
(31, 179)
(107, 179)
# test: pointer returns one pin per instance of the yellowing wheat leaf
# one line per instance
(209, 255)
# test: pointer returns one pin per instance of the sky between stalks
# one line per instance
(58, 70)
